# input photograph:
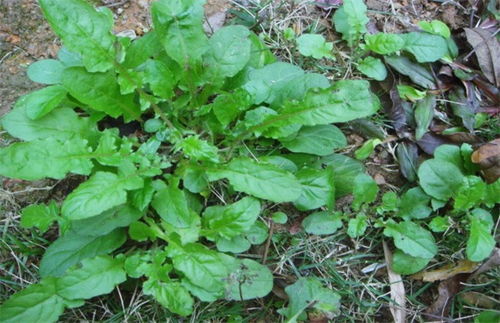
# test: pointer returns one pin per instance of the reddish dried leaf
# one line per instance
(487, 49)
(407, 154)
(430, 141)
(488, 158)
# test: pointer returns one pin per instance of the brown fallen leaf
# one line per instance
(488, 158)
(489, 264)
(445, 272)
(430, 141)
(446, 292)
(451, 286)
(398, 294)
(487, 49)
(479, 300)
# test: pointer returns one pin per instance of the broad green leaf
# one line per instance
(480, 243)
(195, 180)
(83, 30)
(141, 232)
(318, 140)
(38, 103)
(142, 49)
(100, 91)
(315, 46)
(367, 149)
(414, 204)
(317, 189)
(471, 193)
(46, 71)
(410, 93)
(62, 123)
(345, 101)
(236, 244)
(171, 295)
(231, 220)
(493, 193)
(405, 264)
(39, 215)
(198, 149)
(161, 79)
(227, 107)
(350, 20)
(264, 181)
(96, 276)
(345, 169)
(118, 217)
(440, 179)
(107, 152)
(69, 58)
(487, 316)
(435, 27)
(365, 190)
(258, 233)
(297, 88)
(101, 192)
(357, 226)
(267, 83)
(322, 223)
(383, 43)
(419, 74)
(425, 47)
(372, 67)
(451, 154)
(141, 198)
(228, 53)
(306, 293)
(72, 248)
(439, 224)
(390, 203)
(424, 113)
(411, 238)
(45, 158)
(279, 217)
(38, 303)
(172, 206)
(202, 267)
(248, 280)
(180, 30)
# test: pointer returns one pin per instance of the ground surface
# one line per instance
(25, 37)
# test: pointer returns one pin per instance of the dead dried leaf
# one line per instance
(479, 300)
(448, 271)
(430, 141)
(398, 294)
(488, 158)
(446, 292)
(489, 264)
(487, 50)
(448, 288)
(397, 114)
(407, 153)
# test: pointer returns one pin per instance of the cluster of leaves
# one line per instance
(449, 184)
(223, 133)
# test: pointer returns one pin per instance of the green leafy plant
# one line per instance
(432, 44)
(219, 140)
